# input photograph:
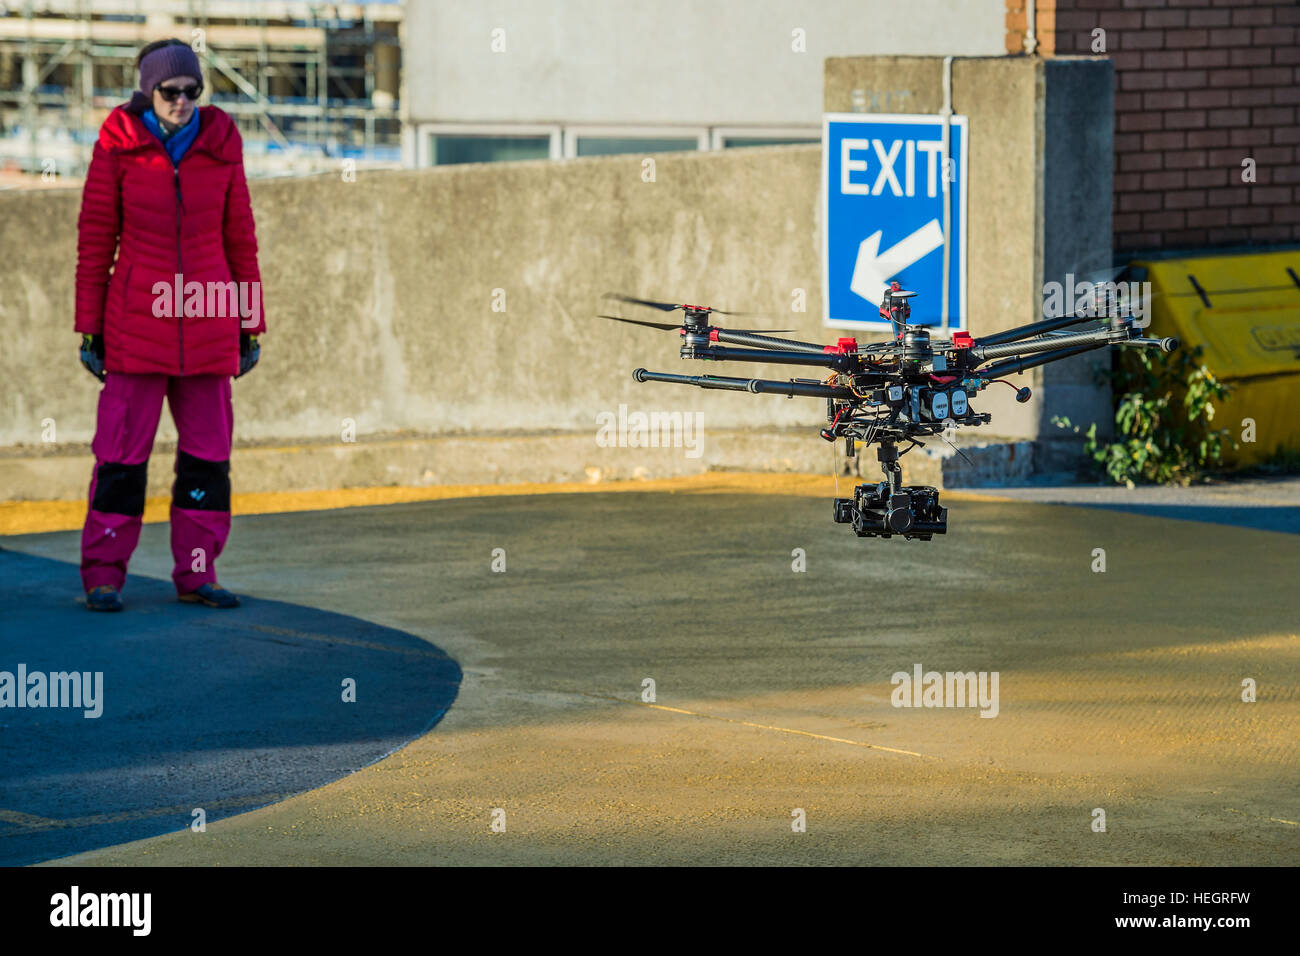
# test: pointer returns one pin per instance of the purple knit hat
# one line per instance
(176, 59)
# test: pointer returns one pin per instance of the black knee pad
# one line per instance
(119, 489)
(201, 485)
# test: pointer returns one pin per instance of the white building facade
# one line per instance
(492, 80)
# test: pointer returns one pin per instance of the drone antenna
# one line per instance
(896, 308)
(943, 435)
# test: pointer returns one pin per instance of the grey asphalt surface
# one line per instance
(1266, 504)
(223, 711)
(1119, 689)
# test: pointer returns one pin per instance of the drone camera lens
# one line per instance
(900, 518)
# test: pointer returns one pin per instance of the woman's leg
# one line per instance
(200, 514)
(125, 425)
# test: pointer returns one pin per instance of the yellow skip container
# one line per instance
(1244, 311)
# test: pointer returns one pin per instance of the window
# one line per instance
(611, 145)
(446, 144)
(731, 142)
(632, 140)
(724, 137)
(445, 150)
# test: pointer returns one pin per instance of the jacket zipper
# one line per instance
(180, 270)
(126, 285)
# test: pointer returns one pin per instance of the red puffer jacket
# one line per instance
(194, 220)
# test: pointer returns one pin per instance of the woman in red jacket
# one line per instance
(176, 313)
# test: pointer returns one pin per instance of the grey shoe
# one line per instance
(103, 598)
(213, 595)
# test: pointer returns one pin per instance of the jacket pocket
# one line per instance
(117, 291)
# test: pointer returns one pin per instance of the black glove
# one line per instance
(249, 353)
(92, 354)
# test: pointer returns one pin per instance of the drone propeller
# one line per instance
(670, 327)
(663, 306)
(653, 325)
(671, 306)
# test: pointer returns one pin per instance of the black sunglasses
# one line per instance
(170, 93)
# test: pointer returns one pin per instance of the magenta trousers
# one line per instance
(129, 409)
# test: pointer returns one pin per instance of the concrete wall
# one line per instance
(380, 294)
(380, 298)
(670, 62)
(1077, 175)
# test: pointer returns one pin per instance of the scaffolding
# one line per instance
(308, 84)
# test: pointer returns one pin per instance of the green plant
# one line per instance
(1164, 414)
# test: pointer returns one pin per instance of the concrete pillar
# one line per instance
(1039, 205)
(86, 110)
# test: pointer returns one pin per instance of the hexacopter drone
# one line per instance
(884, 393)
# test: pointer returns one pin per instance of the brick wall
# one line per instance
(1200, 87)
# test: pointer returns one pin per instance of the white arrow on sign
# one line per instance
(872, 272)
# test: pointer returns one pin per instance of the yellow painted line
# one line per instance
(750, 723)
(26, 819)
(34, 517)
(1291, 823)
(31, 517)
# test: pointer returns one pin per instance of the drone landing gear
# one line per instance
(886, 509)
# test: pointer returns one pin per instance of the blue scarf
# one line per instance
(175, 143)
